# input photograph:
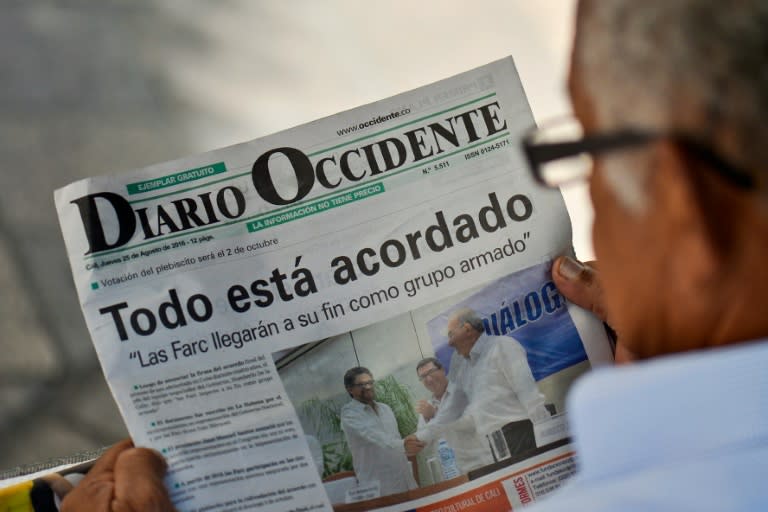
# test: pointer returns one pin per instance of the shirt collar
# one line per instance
(479, 347)
(357, 404)
(670, 409)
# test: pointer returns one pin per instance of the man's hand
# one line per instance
(124, 479)
(413, 445)
(426, 409)
(580, 283)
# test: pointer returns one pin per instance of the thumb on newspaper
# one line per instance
(580, 283)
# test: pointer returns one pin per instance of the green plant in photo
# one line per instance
(323, 419)
(336, 457)
(399, 398)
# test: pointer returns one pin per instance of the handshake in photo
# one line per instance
(412, 445)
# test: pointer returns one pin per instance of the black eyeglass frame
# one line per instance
(538, 153)
(366, 384)
(429, 372)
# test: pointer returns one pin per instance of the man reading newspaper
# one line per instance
(672, 98)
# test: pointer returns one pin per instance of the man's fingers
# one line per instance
(58, 484)
(414, 448)
(96, 490)
(623, 355)
(579, 283)
(107, 460)
(124, 479)
(140, 460)
(139, 486)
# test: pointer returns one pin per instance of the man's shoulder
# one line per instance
(732, 480)
(497, 344)
(493, 339)
(351, 407)
(355, 406)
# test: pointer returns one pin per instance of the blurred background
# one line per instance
(94, 88)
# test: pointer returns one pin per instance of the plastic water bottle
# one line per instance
(447, 460)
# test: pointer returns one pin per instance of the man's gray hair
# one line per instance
(696, 67)
(469, 316)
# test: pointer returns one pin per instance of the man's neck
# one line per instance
(372, 404)
(472, 346)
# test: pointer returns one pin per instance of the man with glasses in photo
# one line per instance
(432, 375)
(671, 98)
(470, 450)
(378, 451)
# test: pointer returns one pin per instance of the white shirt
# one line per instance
(679, 433)
(507, 390)
(378, 453)
(461, 377)
(471, 450)
(434, 402)
(498, 386)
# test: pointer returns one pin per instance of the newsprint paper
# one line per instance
(229, 293)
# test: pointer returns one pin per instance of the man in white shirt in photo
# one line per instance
(378, 451)
(432, 375)
(471, 450)
(493, 373)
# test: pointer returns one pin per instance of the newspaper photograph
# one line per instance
(401, 367)
(353, 314)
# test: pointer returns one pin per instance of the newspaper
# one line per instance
(227, 294)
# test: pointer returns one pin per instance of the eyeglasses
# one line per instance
(559, 153)
(366, 384)
(424, 376)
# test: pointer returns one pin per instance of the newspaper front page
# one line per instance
(229, 294)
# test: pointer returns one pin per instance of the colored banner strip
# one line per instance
(314, 207)
(176, 179)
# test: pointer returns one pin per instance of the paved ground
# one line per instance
(94, 88)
